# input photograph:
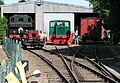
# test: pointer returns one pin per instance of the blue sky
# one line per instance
(77, 2)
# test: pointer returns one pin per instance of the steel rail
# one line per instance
(99, 62)
(72, 64)
(97, 65)
(50, 63)
(68, 67)
(99, 74)
(102, 65)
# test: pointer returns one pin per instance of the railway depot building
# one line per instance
(42, 12)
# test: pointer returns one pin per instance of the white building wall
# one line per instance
(57, 16)
(64, 8)
(39, 17)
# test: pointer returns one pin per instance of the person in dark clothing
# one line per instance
(76, 37)
(20, 30)
(84, 38)
(27, 34)
(115, 39)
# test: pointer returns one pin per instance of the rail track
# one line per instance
(98, 64)
(60, 78)
(70, 69)
(60, 66)
(108, 72)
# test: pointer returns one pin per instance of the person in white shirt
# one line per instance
(45, 37)
(76, 37)
(20, 30)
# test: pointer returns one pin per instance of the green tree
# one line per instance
(1, 2)
(115, 17)
(101, 6)
(3, 25)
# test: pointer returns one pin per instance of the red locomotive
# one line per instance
(30, 37)
(91, 29)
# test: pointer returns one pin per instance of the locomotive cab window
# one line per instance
(12, 19)
(20, 19)
(67, 24)
(29, 19)
(59, 23)
(52, 24)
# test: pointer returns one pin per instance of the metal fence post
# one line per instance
(20, 50)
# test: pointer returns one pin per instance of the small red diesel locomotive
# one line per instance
(30, 36)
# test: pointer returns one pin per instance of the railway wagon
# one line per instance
(60, 32)
(90, 29)
(30, 36)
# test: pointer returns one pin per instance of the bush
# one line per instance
(3, 25)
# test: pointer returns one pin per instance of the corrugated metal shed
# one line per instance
(19, 8)
(41, 8)
(30, 7)
(61, 7)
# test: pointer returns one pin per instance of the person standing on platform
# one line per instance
(41, 36)
(76, 37)
(20, 30)
(45, 37)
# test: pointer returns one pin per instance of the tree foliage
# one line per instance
(101, 6)
(3, 25)
(1, 2)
